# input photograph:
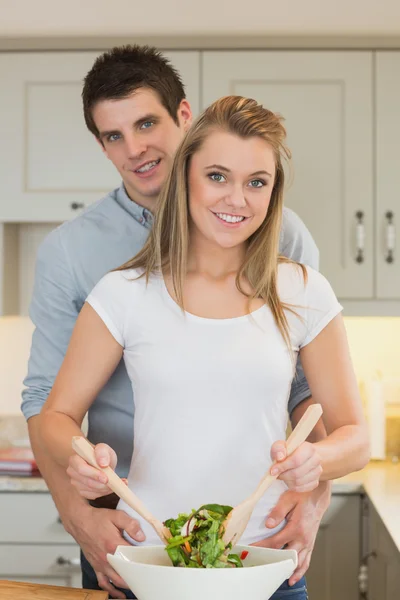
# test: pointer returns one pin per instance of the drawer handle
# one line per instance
(360, 237)
(77, 205)
(68, 562)
(390, 237)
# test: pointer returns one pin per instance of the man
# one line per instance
(135, 106)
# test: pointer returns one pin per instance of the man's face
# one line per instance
(140, 138)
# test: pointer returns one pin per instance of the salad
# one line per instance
(196, 540)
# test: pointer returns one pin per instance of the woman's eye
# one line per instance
(218, 177)
(146, 125)
(257, 183)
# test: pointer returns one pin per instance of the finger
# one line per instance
(82, 468)
(88, 493)
(276, 541)
(286, 503)
(298, 458)
(114, 578)
(302, 567)
(105, 456)
(303, 469)
(88, 485)
(307, 484)
(131, 526)
(107, 586)
(278, 451)
(92, 484)
(296, 477)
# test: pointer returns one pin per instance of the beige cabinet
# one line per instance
(383, 561)
(387, 224)
(51, 167)
(326, 100)
(33, 543)
(335, 563)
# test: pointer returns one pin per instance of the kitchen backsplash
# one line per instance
(373, 344)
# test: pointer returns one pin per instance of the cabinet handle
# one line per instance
(61, 561)
(77, 205)
(360, 237)
(390, 237)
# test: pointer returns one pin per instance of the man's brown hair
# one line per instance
(122, 70)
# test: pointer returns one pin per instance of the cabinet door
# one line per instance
(337, 551)
(41, 563)
(384, 561)
(51, 166)
(387, 176)
(326, 100)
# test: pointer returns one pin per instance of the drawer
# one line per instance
(36, 560)
(31, 517)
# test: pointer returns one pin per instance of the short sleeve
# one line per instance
(321, 305)
(109, 299)
(310, 300)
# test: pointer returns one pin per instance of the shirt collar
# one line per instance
(142, 215)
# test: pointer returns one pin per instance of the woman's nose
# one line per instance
(236, 198)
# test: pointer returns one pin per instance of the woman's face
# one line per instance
(230, 185)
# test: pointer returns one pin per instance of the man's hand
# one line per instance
(98, 531)
(303, 512)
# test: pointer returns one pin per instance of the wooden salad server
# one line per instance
(236, 521)
(86, 451)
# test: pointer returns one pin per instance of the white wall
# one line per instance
(203, 17)
(15, 343)
(373, 344)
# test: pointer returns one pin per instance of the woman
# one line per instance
(209, 321)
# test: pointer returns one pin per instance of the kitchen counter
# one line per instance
(379, 480)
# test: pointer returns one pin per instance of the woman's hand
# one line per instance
(90, 482)
(301, 471)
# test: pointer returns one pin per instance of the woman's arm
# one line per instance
(329, 372)
(92, 356)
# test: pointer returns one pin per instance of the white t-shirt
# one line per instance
(210, 395)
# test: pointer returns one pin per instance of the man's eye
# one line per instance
(113, 137)
(218, 177)
(257, 183)
(146, 125)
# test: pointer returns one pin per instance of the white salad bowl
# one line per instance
(149, 573)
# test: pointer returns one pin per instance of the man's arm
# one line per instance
(54, 309)
(296, 242)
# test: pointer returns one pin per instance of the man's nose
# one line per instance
(135, 146)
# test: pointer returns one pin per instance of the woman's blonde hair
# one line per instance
(166, 249)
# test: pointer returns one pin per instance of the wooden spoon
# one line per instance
(86, 451)
(236, 521)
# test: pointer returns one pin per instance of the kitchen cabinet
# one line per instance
(326, 101)
(51, 165)
(335, 563)
(382, 560)
(343, 123)
(34, 545)
(387, 230)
